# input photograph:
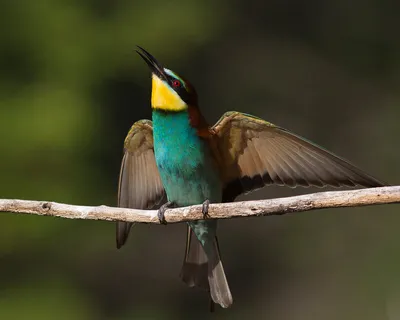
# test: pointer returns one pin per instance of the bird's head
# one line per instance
(170, 92)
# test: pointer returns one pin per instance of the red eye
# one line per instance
(176, 83)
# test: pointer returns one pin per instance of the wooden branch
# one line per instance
(321, 200)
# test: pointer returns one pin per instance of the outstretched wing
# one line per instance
(253, 153)
(140, 185)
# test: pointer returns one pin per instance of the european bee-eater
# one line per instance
(179, 160)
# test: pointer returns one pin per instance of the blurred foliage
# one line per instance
(71, 86)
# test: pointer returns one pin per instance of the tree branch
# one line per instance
(321, 200)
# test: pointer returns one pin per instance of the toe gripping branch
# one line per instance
(204, 209)
(163, 208)
(171, 204)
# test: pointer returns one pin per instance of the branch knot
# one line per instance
(46, 206)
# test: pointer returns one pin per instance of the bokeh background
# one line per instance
(70, 88)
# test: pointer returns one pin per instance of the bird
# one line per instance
(178, 159)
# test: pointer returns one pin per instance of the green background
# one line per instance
(71, 86)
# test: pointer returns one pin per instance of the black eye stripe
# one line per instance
(176, 83)
(180, 89)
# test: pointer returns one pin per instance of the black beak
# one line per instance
(153, 64)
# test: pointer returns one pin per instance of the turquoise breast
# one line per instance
(184, 160)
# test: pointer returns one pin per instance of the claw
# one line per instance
(161, 211)
(204, 209)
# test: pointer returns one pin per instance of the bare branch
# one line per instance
(321, 200)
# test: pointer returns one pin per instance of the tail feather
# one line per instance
(205, 271)
(122, 232)
(195, 265)
(219, 288)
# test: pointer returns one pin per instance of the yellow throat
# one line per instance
(165, 98)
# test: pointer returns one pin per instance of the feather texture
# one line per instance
(140, 184)
(253, 153)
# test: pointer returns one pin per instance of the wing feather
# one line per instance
(140, 184)
(253, 153)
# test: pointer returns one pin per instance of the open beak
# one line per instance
(153, 64)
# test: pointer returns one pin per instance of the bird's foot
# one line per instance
(204, 209)
(161, 211)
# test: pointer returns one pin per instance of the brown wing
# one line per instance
(253, 153)
(140, 184)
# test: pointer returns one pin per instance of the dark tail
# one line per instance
(122, 232)
(205, 271)
(195, 264)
